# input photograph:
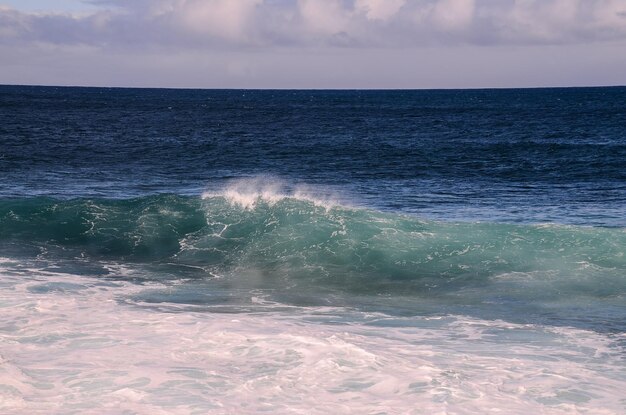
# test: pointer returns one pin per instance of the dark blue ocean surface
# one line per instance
(534, 155)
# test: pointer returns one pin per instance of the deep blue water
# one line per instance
(519, 155)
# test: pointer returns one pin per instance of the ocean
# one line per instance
(306, 252)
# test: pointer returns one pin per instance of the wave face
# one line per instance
(269, 239)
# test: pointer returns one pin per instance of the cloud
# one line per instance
(454, 14)
(313, 23)
(227, 19)
(324, 17)
(379, 9)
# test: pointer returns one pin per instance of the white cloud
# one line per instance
(229, 19)
(454, 14)
(610, 13)
(199, 24)
(327, 17)
(379, 9)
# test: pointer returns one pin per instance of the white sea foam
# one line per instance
(247, 193)
(68, 347)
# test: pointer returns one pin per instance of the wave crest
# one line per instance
(249, 193)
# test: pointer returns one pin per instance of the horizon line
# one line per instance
(315, 89)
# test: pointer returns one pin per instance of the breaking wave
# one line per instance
(288, 239)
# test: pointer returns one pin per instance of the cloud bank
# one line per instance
(314, 23)
(318, 43)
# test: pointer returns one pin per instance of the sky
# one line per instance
(313, 43)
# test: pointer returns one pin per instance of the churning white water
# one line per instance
(77, 345)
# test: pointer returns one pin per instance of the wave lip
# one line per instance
(248, 193)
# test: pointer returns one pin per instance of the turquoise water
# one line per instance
(300, 250)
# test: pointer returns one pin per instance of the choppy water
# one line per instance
(171, 251)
